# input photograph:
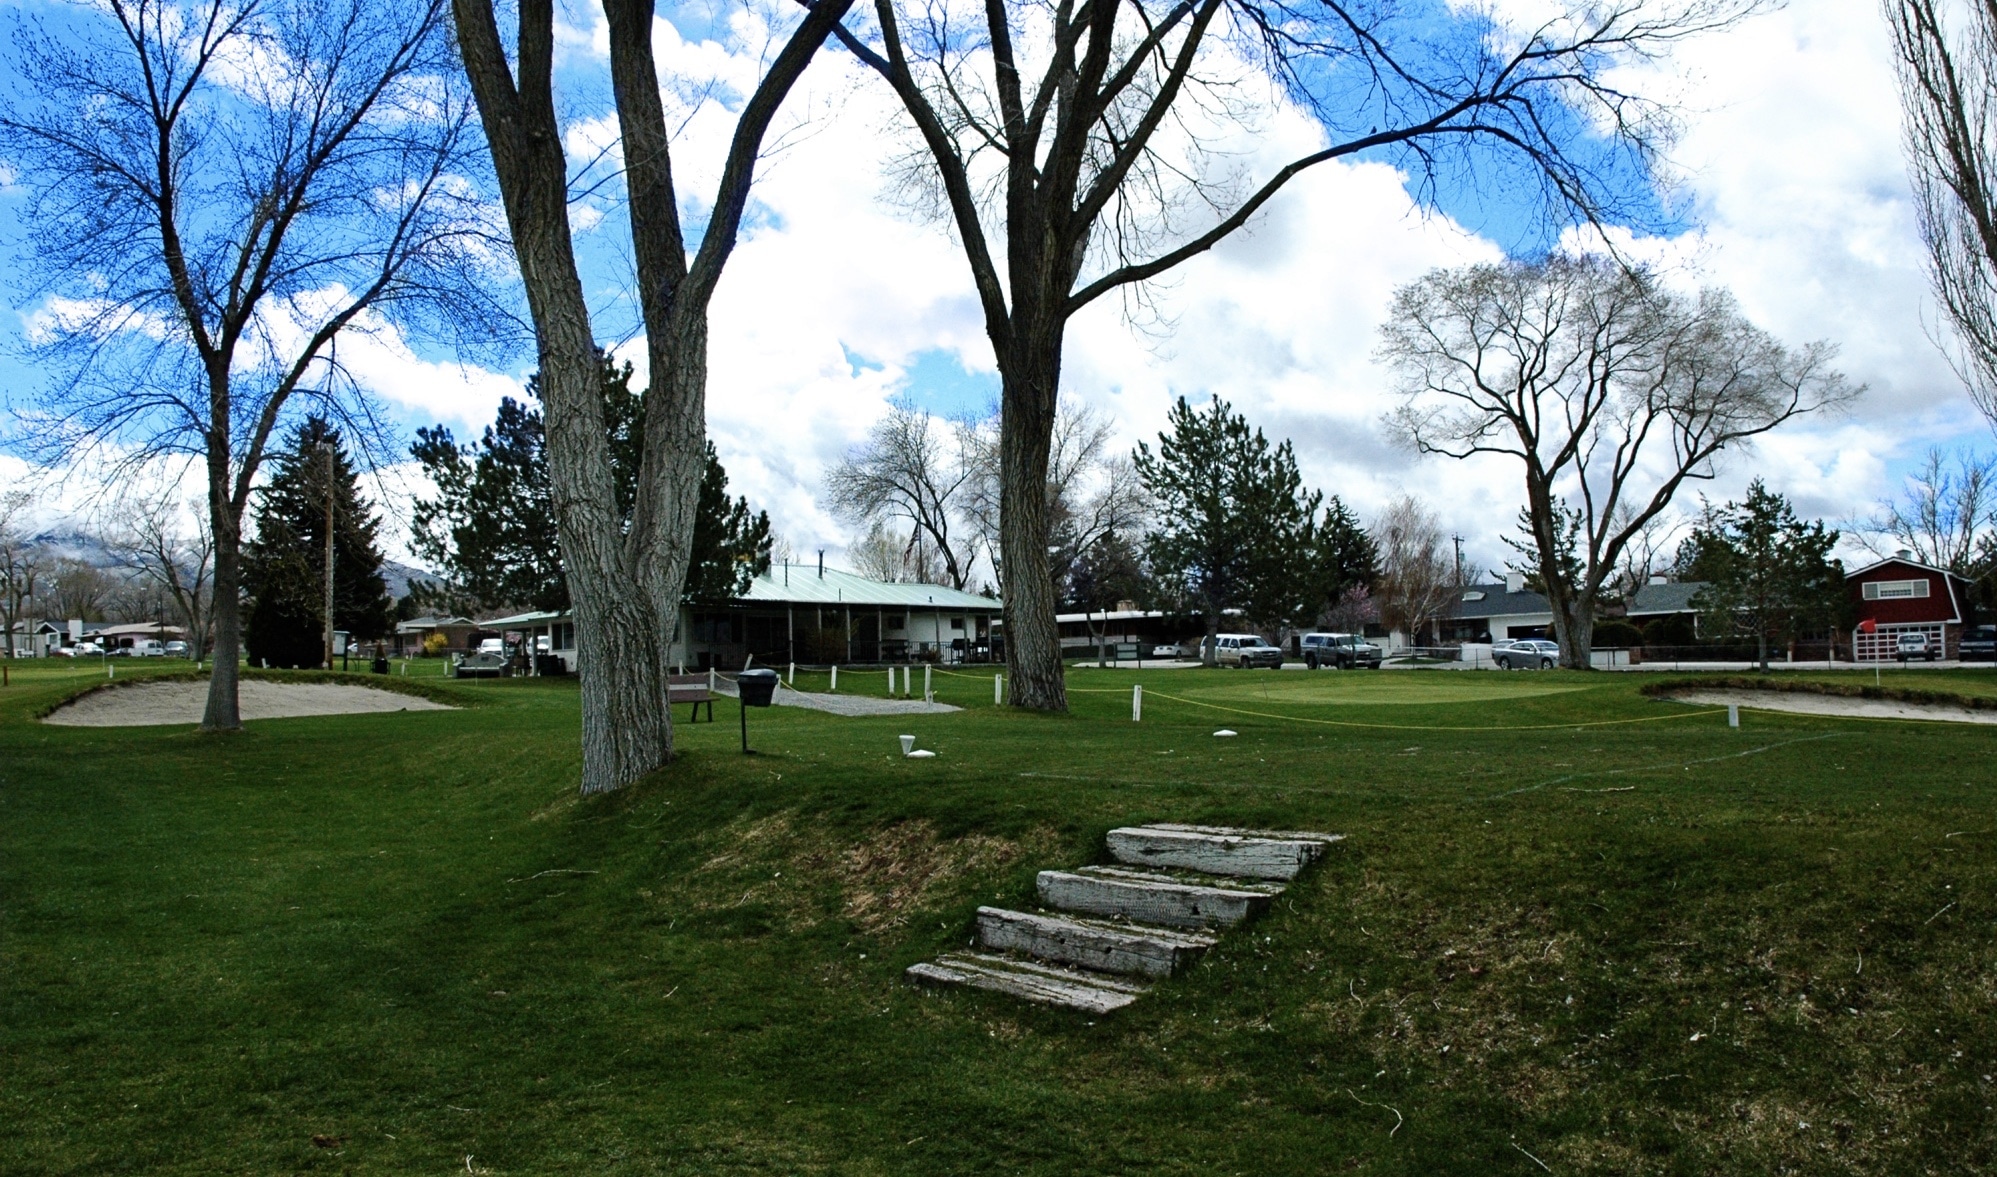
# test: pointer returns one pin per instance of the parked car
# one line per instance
(1909, 646)
(176, 649)
(1526, 654)
(146, 648)
(495, 646)
(1246, 650)
(1341, 651)
(1979, 644)
(1167, 652)
(83, 650)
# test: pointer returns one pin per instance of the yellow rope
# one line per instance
(1406, 727)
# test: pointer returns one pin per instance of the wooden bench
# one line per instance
(692, 689)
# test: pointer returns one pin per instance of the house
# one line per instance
(1492, 612)
(1082, 634)
(1901, 595)
(124, 637)
(411, 634)
(34, 639)
(801, 613)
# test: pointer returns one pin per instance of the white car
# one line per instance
(1167, 652)
(493, 646)
(1910, 646)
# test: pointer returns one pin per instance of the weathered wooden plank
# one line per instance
(1048, 986)
(1148, 899)
(1090, 944)
(1239, 832)
(1214, 852)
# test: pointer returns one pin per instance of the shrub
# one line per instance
(435, 645)
(1675, 630)
(1616, 635)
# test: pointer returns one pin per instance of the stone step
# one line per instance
(1089, 992)
(1149, 898)
(1091, 944)
(1217, 850)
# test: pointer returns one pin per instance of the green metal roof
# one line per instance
(803, 584)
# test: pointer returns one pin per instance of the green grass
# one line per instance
(1645, 947)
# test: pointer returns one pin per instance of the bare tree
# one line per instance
(78, 589)
(1417, 569)
(218, 192)
(1609, 390)
(1091, 491)
(1648, 552)
(908, 472)
(625, 576)
(173, 559)
(22, 568)
(1946, 514)
(1947, 62)
(1072, 148)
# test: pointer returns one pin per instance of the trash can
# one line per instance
(380, 665)
(758, 687)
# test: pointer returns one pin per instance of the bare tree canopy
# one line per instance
(174, 556)
(1417, 569)
(24, 571)
(1946, 516)
(217, 192)
(624, 576)
(1946, 56)
(1092, 490)
(1609, 390)
(1075, 150)
(910, 475)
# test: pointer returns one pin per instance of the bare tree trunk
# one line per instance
(1032, 636)
(222, 714)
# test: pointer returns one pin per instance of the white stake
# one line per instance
(835, 678)
(1733, 715)
(1137, 703)
(711, 684)
(926, 690)
(997, 680)
(790, 676)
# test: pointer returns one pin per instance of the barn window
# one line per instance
(1895, 590)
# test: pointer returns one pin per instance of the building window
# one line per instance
(1895, 590)
(956, 623)
(897, 621)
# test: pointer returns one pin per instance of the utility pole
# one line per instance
(328, 447)
(1459, 559)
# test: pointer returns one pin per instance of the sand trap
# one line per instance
(1804, 703)
(153, 704)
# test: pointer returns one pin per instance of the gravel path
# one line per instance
(846, 704)
(157, 704)
(1804, 703)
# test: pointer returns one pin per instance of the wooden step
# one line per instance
(1090, 944)
(1089, 992)
(1150, 898)
(1217, 850)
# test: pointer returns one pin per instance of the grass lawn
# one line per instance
(1564, 942)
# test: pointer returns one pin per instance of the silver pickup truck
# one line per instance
(1341, 651)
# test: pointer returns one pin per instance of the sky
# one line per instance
(1787, 187)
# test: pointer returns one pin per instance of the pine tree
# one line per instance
(284, 566)
(491, 527)
(1236, 525)
(1768, 574)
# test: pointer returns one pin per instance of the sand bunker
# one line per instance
(1805, 703)
(153, 704)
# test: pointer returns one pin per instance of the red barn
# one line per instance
(1900, 595)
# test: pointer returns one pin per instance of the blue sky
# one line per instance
(1787, 188)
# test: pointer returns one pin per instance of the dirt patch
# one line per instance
(894, 873)
(157, 704)
(1845, 706)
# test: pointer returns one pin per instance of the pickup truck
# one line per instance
(1341, 651)
(1979, 644)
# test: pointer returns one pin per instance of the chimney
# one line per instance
(1514, 582)
(1903, 554)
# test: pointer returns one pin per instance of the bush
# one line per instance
(1675, 630)
(435, 644)
(1616, 635)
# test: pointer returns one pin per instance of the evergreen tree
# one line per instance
(1236, 527)
(1768, 574)
(284, 566)
(1342, 558)
(491, 527)
(1110, 570)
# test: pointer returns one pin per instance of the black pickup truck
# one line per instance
(1979, 644)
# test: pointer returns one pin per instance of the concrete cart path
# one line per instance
(844, 704)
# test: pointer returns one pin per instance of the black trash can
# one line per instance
(380, 665)
(758, 687)
(754, 688)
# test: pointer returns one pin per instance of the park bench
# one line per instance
(692, 689)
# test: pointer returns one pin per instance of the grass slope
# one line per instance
(1633, 947)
